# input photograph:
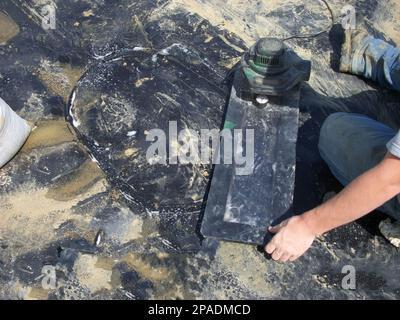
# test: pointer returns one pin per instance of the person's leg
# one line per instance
(372, 58)
(351, 144)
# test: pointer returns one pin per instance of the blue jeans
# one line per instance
(351, 144)
(377, 60)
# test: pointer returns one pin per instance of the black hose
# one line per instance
(314, 35)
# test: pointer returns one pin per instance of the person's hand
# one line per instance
(292, 239)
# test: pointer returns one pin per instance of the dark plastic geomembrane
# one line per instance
(241, 207)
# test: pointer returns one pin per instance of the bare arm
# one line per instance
(366, 193)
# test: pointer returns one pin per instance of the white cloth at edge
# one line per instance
(13, 132)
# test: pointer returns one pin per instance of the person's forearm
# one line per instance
(363, 195)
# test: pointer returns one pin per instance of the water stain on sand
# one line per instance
(145, 268)
(48, 134)
(59, 78)
(158, 268)
(79, 182)
(32, 212)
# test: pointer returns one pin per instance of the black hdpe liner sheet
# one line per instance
(241, 204)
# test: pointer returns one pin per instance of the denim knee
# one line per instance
(328, 137)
